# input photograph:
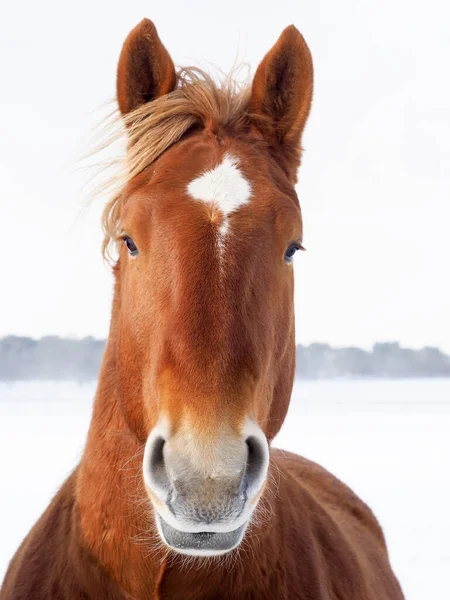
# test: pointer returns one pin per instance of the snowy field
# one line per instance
(389, 440)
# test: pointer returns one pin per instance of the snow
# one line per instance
(388, 440)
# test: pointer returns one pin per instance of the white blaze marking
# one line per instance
(225, 188)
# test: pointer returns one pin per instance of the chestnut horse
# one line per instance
(178, 494)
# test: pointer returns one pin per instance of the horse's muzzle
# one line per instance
(204, 493)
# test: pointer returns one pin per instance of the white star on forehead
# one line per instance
(224, 187)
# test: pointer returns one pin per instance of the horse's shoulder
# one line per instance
(324, 522)
(323, 492)
(31, 567)
(51, 562)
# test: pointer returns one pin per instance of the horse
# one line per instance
(178, 493)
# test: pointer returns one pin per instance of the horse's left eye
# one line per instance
(291, 250)
(132, 248)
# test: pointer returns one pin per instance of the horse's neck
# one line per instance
(115, 514)
(116, 517)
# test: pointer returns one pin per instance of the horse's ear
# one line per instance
(145, 70)
(282, 93)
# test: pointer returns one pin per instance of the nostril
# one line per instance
(256, 466)
(156, 465)
(157, 456)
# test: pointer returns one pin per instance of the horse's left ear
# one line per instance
(281, 96)
(145, 70)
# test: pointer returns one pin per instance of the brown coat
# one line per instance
(202, 333)
(320, 542)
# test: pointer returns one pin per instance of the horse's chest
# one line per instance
(223, 584)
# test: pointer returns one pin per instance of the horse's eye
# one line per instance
(132, 248)
(291, 250)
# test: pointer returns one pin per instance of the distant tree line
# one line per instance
(56, 358)
(388, 360)
(51, 357)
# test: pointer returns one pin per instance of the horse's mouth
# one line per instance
(204, 543)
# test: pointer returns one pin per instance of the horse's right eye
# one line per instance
(132, 248)
(291, 250)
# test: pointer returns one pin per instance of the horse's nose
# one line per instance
(205, 482)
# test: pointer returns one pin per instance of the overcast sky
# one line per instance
(374, 185)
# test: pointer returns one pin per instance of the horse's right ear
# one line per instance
(145, 70)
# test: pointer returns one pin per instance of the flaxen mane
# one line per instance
(153, 127)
